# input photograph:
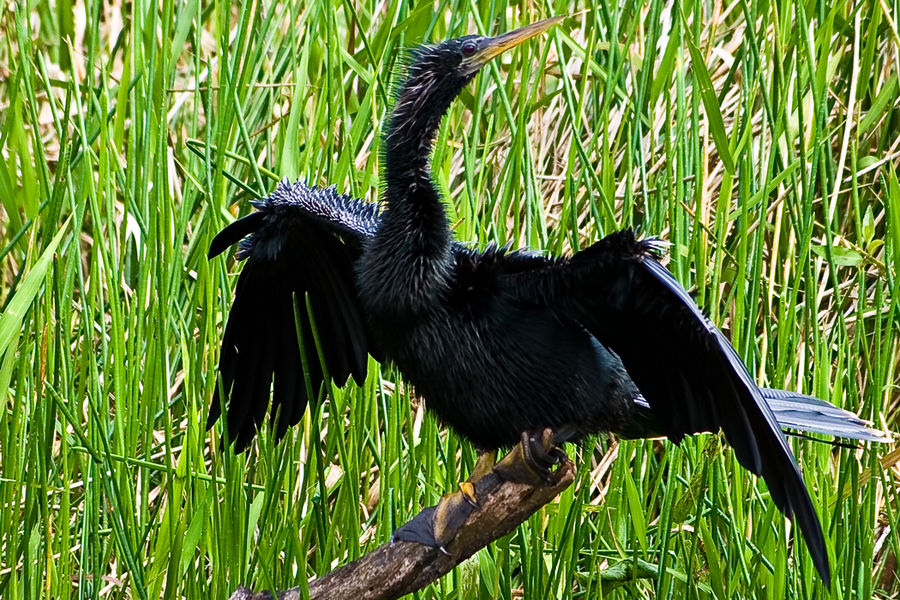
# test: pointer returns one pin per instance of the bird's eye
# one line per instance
(469, 48)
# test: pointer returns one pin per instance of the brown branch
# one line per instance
(399, 568)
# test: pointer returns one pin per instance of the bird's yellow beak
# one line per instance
(494, 46)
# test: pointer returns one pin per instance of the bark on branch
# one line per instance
(399, 568)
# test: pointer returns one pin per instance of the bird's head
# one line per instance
(461, 58)
(435, 76)
(438, 72)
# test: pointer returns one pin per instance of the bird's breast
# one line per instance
(501, 370)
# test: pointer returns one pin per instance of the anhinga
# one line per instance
(498, 342)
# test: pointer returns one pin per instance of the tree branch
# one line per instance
(399, 568)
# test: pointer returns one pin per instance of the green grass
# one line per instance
(759, 138)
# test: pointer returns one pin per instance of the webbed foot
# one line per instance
(531, 462)
(436, 525)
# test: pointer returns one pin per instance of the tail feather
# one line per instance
(807, 413)
(793, 411)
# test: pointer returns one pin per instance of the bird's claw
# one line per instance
(468, 492)
(532, 461)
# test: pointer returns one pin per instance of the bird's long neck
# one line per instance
(407, 266)
(411, 194)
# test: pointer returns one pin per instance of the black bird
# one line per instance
(498, 342)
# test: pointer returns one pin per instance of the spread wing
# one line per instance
(684, 366)
(301, 244)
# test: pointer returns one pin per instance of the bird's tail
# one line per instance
(806, 413)
(794, 412)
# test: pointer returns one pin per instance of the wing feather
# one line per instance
(234, 233)
(694, 380)
(302, 242)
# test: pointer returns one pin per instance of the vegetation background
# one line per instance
(759, 137)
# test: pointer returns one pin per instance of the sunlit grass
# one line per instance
(759, 139)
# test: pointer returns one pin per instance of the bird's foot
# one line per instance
(437, 525)
(533, 459)
(530, 462)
